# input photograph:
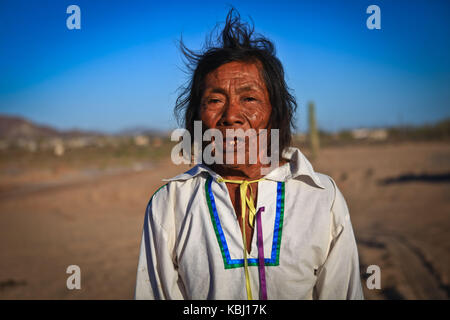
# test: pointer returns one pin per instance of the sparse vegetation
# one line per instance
(431, 132)
(123, 154)
(439, 131)
(313, 132)
(32, 149)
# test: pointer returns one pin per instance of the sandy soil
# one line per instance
(398, 197)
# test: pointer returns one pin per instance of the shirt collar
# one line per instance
(193, 172)
(298, 167)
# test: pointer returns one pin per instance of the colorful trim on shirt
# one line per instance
(229, 263)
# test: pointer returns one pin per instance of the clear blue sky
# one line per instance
(122, 69)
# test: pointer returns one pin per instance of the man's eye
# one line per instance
(249, 99)
(213, 101)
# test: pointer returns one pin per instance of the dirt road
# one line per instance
(398, 197)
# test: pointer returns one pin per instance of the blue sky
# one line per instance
(123, 68)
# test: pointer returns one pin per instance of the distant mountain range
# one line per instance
(15, 127)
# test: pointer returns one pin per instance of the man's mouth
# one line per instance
(233, 140)
(231, 143)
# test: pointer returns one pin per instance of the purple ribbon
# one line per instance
(261, 267)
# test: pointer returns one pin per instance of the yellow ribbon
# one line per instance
(245, 201)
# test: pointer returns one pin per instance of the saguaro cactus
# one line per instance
(313, 132)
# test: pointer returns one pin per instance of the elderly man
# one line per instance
(228, 231)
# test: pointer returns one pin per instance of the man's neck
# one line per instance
(240, 172)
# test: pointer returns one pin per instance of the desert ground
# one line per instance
(398, 196)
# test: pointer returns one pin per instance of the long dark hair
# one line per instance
(237, 42)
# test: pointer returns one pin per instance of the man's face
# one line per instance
(235, 97)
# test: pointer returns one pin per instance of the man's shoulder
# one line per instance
(180, 185)
(165, 203)
(328, 183)
(331, 188)
(326, 189)
(320, 182)
(338, 205)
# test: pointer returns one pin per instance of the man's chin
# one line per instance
(230, 166)
(234, 166)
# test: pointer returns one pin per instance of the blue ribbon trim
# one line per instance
(235, 263)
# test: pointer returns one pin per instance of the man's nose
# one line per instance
(232, 114)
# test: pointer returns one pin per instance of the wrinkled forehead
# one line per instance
(236, 74)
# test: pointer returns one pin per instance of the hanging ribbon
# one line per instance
(261, 266)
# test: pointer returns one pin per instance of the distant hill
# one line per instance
(14, 127)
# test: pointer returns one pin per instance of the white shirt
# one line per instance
(192, 244)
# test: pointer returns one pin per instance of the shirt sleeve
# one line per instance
(157, 277)
(339, 277)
